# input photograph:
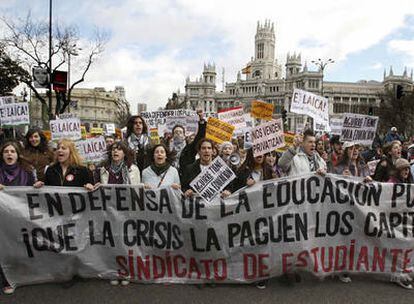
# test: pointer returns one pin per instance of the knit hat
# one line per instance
(401, 163)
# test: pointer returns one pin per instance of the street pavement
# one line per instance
(363, 289)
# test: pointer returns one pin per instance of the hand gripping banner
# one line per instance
(321, 225)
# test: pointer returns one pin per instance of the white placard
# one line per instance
(213, 179)
(268, 137)
(7, 100)
(310, 104)
(14, 114)
(92, 149)
(110, 128)
(359, 128)
(157, 119)
(233, 116)
(336, 125)
(65, 128)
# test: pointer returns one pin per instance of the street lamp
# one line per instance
(322, 65)
(71, 50)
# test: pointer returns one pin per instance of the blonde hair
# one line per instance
(74, 158)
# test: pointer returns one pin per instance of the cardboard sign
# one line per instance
(372, 165)
(157, 119)
(96, 131)
(320, 127)
(92, 149)
(65, 128)
(110, 128)
(310, 104)
(336, 125)
(262, 110)
(233, 116)
(154, 136)
(213, 179)
(218, 131)
(14, 114)
(359, 128)
(289, 138)
(268, 137)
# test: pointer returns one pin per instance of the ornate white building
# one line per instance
(263, 80)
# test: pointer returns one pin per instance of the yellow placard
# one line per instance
(118, 133)
(96, 131)
(48, 135)
(83, 132)
(219, 131)
(289, 138)
(154, 136)
(262, 110)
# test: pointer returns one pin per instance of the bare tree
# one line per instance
(27, 40)
(123, 113)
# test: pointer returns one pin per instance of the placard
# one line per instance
(262, 110)
(268, 137)
(310, 104)
(65, 128)
(359, 128)
(218, 131)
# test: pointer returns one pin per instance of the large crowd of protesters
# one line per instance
(179, 158)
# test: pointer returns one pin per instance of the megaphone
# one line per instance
(234, 159)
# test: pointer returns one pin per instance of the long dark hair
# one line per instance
(21, 161)
(130, 125)
(249, 165)
(42, 147)
(129, 157)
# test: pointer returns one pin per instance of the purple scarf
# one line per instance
(8, 173)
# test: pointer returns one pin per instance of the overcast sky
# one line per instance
(154, 45)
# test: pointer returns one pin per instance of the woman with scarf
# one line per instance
(37, 152)
(120, 170)
(271, 159)
(177, 144)
(160, 173)
(352, 162)
(14, 171)
(138, 140)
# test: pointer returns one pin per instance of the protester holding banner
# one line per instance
(352, 163)
(119, 168)
(402, 173)
(302, 157)
(336, 153)
(37, 151)
(160, 173)
(14, 171)
(392, 152)
(205, 151)
(138, 140)
(67, 171)
(271, 160)
(254, 169)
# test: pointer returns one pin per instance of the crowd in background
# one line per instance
(179, 158)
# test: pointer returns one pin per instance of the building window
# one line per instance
(260, 51)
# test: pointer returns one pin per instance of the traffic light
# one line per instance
(399, 92)
(284, 116)
(371, 111)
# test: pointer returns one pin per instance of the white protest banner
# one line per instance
(92, 149)
(14, 114)
(7, 100)
(247, 133)
(233, 116)
(65, 128)
(300, 127)
(321, 225)
(320, 127)
(66, 116)
(171, 122)
(156, 118)
(110, 128)
(310, 104)
(213, 179)
(359, 128)
(267, 137)
(192, 125)
(336, 125)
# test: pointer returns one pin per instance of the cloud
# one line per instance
(154, 45)
(405, 47)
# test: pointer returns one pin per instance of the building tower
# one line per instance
(293, 65)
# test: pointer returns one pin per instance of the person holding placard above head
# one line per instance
(37, 151)
(302, 158)
(160, 173)
(205, 151)
(14, 171)
(67, 171)
(119, 169)
(138, 140)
